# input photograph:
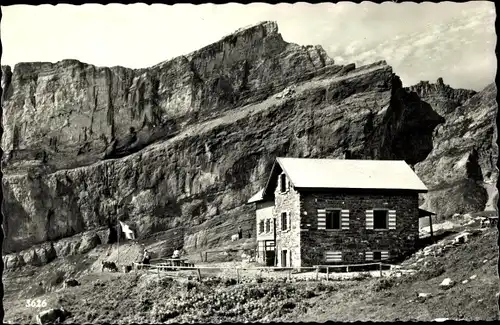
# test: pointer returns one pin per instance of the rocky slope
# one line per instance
(461, 169)
(177, 149)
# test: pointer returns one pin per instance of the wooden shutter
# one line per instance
(333, 256)
(321, 219)
(344, 215)
(384, 255)
(369, 219)
(392, 219)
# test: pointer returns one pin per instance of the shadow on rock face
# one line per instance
(408, 127)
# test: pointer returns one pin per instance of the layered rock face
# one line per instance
(460, 171)
(176, 150)
(71, 114)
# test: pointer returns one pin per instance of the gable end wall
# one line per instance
(288, 240)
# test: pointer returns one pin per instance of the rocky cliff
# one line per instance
(460, 171)
(175, 150)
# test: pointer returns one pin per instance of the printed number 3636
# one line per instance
(36, 303)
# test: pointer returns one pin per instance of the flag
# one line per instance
(129, 233)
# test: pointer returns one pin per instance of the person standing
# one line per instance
(240, 232)
(146, 258)
(176, 256)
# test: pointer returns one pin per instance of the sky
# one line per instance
(455, 41)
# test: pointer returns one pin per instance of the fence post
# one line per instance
(289, 275)
(206, 256)
(238, 275)
(380, 268)
(317, 273)
(199, 274)
(347, 269)
(201, 256)
(327, 273)
(158, 270)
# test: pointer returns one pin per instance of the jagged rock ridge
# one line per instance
(461, 170)
(206, 128)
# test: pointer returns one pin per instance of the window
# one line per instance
(283, 182)
(283, 258)
(284, 221)
(261, 226)
(333, 219)
(377, 256)
(380, 219)
(268, 225)
(269, 244)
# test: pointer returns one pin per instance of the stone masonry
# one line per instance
(357, 240)
(289, 240)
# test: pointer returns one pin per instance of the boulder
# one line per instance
(423, 296)
(46, 253)
(447, 283)
(62, 247)
(30, 257)
(51, 316)
(462, 238)
(89, 242)
(13, 261)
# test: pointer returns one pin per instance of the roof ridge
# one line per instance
(341, 159)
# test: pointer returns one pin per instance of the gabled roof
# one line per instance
(257, 197)
(425, 213)
(347, 174)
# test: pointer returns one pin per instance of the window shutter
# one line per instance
(392, 219)
(369, 256)
(345, 219)
(321, 219)
(369, 219)
(333, 256)
(384, 255)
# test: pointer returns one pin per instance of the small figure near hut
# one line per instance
(146, 257)
(176, 256)
(240, 232)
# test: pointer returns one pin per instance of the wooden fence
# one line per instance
(240, 270)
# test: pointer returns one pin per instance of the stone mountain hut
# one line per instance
(332, 211)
